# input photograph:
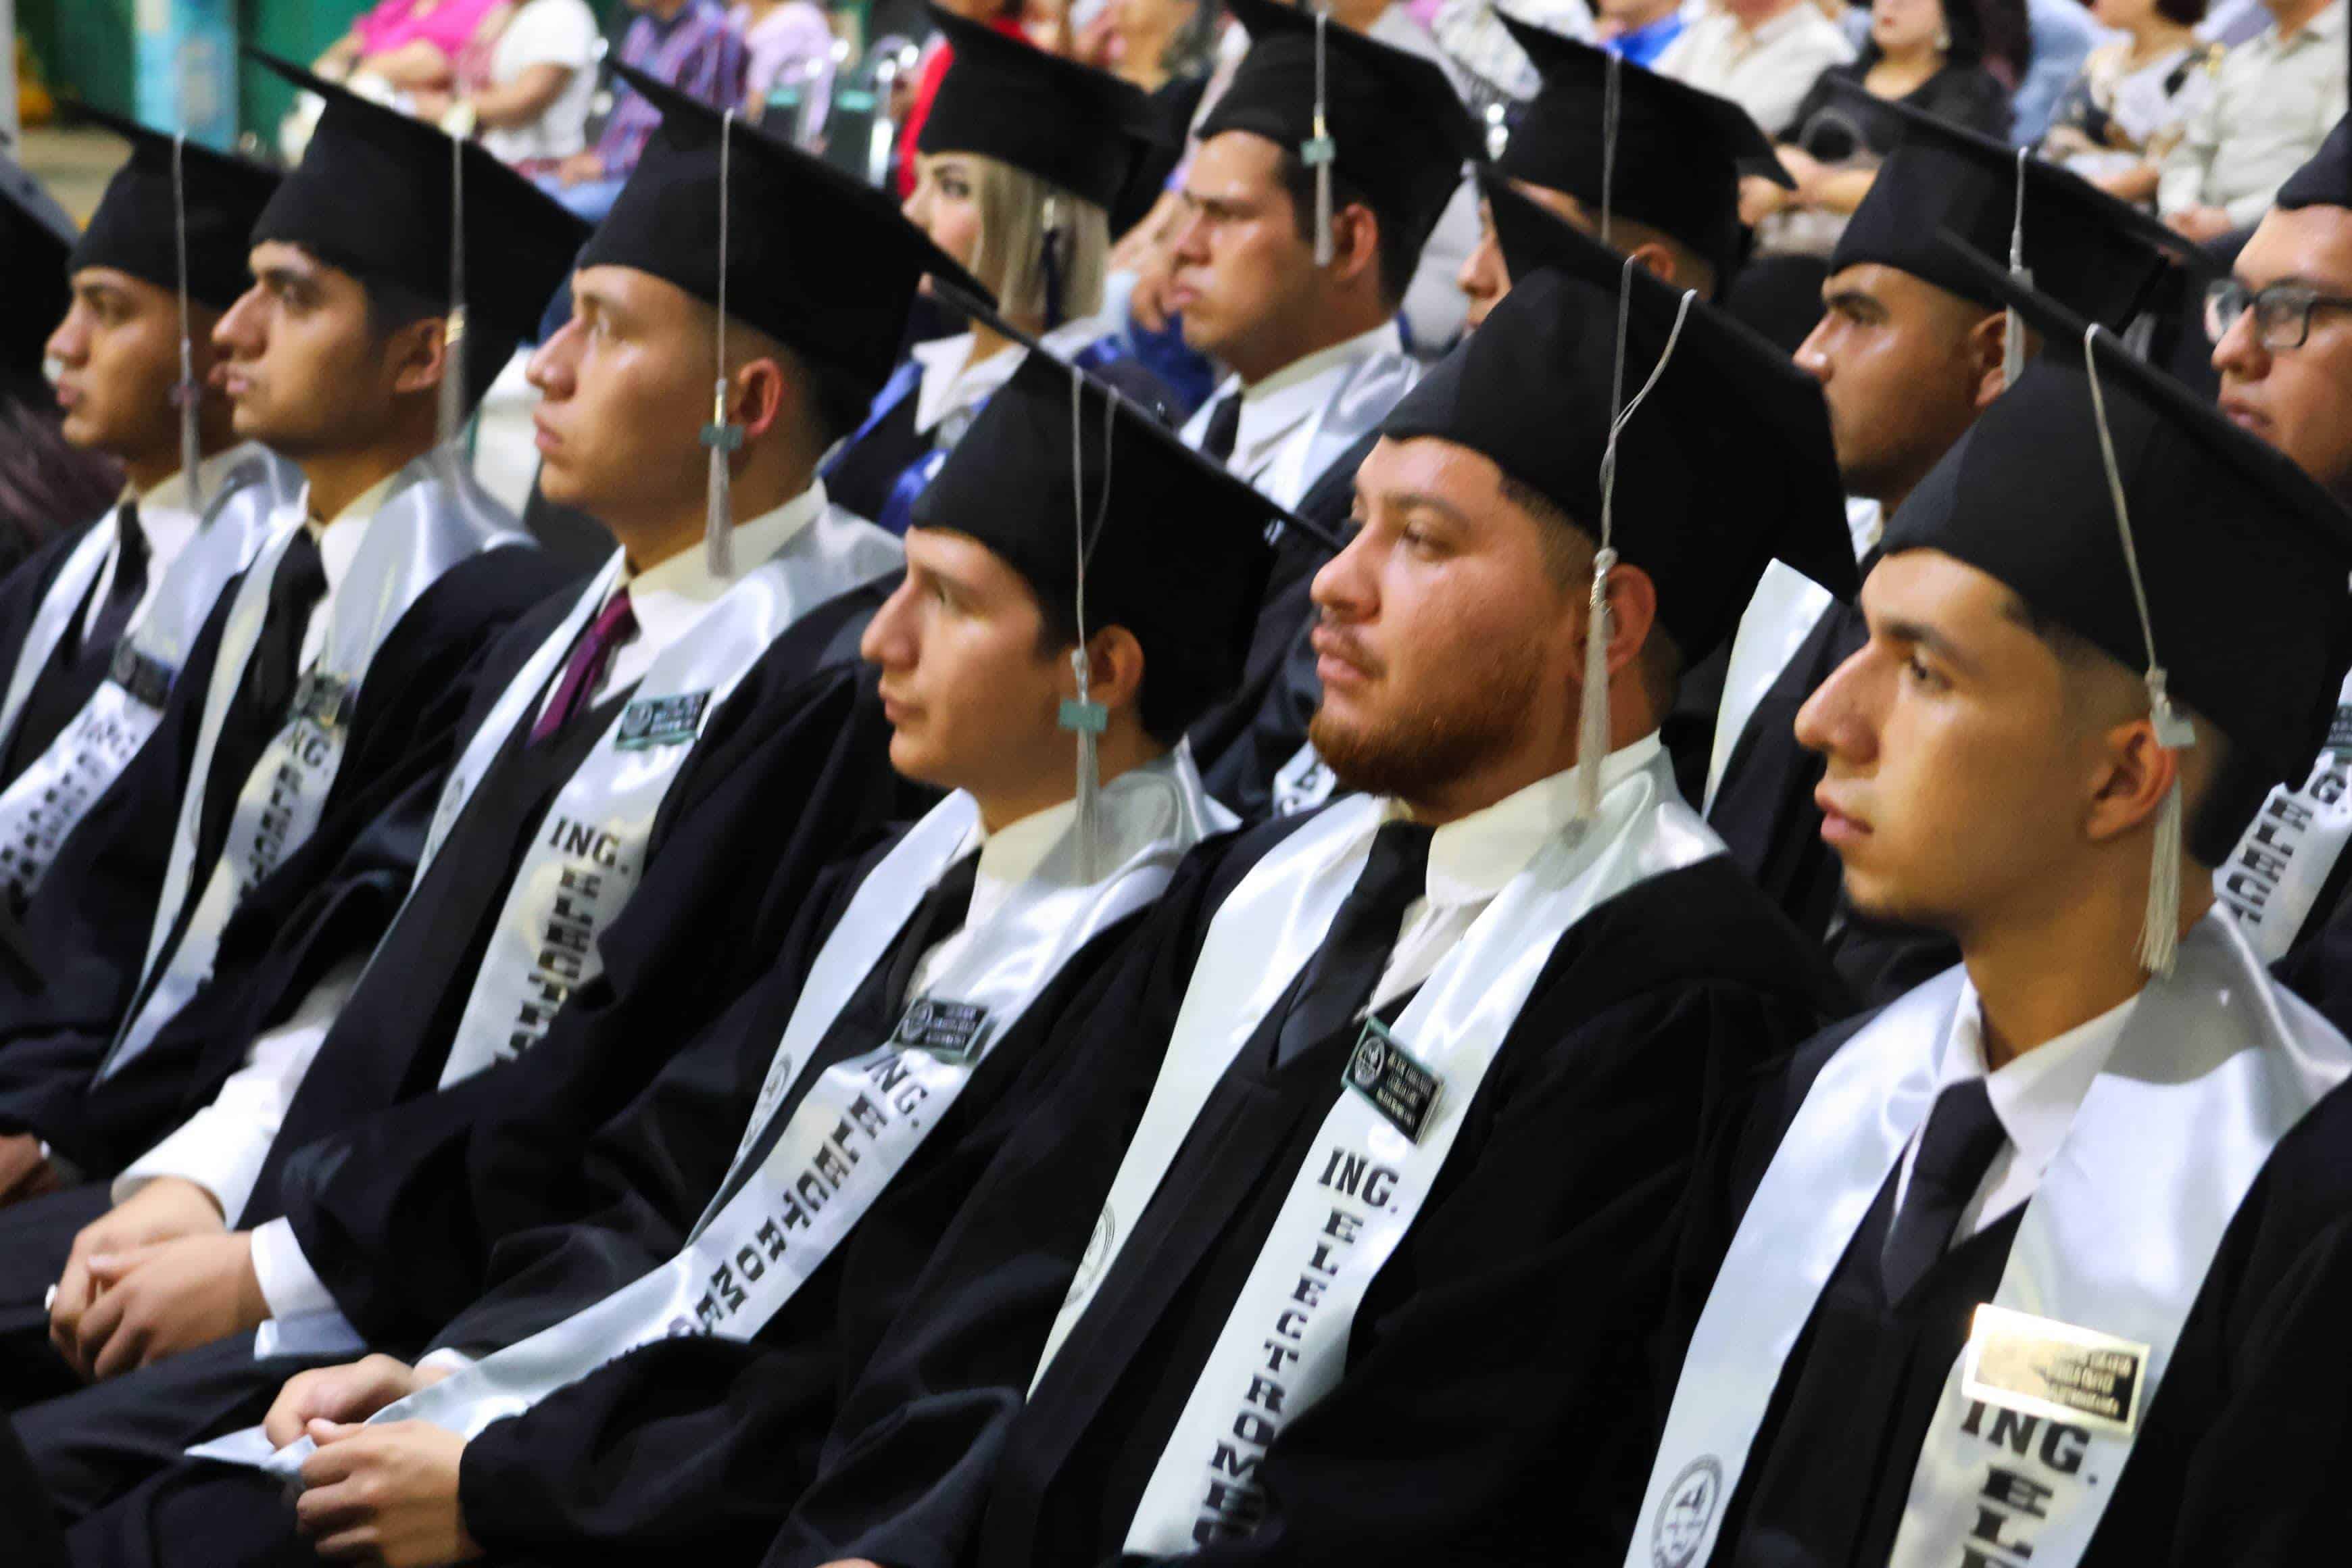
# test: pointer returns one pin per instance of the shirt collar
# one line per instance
(1779, 28)
(1472, 859)
(1011, 856)
(1290, 394)
(1865, 521)
(951, 382)
(171, 494)
(2035, 1094)
(2325, 26)
(339, 538)
(688, 575)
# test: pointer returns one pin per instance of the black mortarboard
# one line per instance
(135, 227)
(2095, 254)
(1395, 129)
(1178, 556)
(823, 263)
(1068, 124)
(1679, 150)
(1726, 465)
(372, 197)
(35, 237)
(2326, 180)
(2244, 558)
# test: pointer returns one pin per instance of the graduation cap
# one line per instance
(1718, 463)
(1072, 126)
(36, 238)
(770, 237)
(1099, 506)
(1678, 151)
(375, 196)
(1386, 122)
(2094, 254)
(180, 216)
(2326, 180)
(2116, 503)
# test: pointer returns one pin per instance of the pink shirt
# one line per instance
(394, 22)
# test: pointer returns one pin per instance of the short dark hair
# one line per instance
(1398, 252)
(392, 304)
(838, 400)
(1168, 703)
(2181, 12)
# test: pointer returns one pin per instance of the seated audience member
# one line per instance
(1003, 907)
(786, 44)
(1763, 55)
(1640, 30)
(44, 481)
(406, 45)
(685, 45)
(1910, 348)
(2275, 100)
(1319, 1095)
(1680, 155)
(1021, 155)
(1921, 55)
(2106, 1146)
(525, 87)
(2133, 101)
(2060, 34)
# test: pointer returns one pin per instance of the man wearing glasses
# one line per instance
(2282, 332)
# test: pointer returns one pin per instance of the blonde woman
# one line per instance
(1017, 165)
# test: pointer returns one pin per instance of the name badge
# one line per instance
(324, 700)
(148, 679)
(1383, 1071)
(2039, 1366)
(662, 722)
(952, 1031)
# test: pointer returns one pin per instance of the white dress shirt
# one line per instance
(2034, 1096)
(1283, 408)
(222, 1148)
(1475, 858)
(1767, 72)
(167, 521)
(953, 385)
(2272, 103)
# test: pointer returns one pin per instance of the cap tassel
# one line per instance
(453, 336)
(1083, 716)
(1050, 263)
(187, 395)
(2012, 340)
(2159, 931)
(1321, 150)
(722, 435)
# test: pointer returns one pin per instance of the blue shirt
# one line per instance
(1643, 45)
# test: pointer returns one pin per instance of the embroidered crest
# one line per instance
(661, 722)
(1096, 1256)
(1687, 1512)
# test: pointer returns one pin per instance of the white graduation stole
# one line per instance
(46, 802)
(1372, 387)
(1787, 606)
(1352, 1200)
(861, 1119)
(2036, 1421)
(589, 856)
(67, 592)
(434, 518)
(2280, 865)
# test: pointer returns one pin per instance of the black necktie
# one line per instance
(939, 916)
(1342, 974)
(1224, 428)
(278, 653)
(129, 586)
(1955, 1149)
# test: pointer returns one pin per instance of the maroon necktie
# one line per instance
(588, 660)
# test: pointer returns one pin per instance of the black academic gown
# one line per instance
(88, 922)
(2242, 1452)
(1241, 742)
(1496, 1359)
(593, 1474)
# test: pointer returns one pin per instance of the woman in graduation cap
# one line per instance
(1020, 160)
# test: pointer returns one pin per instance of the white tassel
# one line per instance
(187, 394)
(453, 376)
(718, 517)
(2160, 933)
(192, 437)
(2012, 342)
(1087, 718)
(1321, 151)
(1592, 702)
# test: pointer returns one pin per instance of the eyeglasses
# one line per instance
(2282, 312)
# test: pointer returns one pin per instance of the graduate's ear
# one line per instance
(762, 395)
(1114, 668)
(2135, 773)
(1632, 612)
(417, 356)
(1988, 355)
